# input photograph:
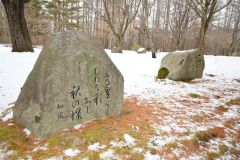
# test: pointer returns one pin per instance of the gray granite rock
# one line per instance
(182, 65)
(115, 50)
(73, 81)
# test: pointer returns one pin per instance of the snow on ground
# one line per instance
(192, 120)
(96, 147)
(71, 152)
(14, 68)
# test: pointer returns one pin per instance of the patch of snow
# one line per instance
(71, 152)
(195, 157)
(130, 140)
(149, 156)
(141, 49)
(55, 158)
(4, 152)
(160, 141)
(27, 131)
(161, 128)
(78, 126)
(214, 145)
(118, 143)
(108, 155)
(44, 148)
(96, 147)
(14, 69)
(238, 146)
(178, 129)
(138, 150)
(8, 116)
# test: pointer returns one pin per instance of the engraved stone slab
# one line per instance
(73, 81)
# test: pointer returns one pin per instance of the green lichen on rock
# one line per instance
(162, 73)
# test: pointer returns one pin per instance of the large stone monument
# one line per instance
(182, 65)
(72, 81)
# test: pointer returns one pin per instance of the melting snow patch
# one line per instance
(44, 148)
(108, 155)
(27, 131)
(118, 144)
(71, 152)
(138, 150)
(149, 156)
(130, 140)
(177, 128)
(5, 153)
(238, 146)
(8, 116)
(161, 141)
(160, 129)
(55, 158)
(195, 157)
(78, 126)
(96, 147)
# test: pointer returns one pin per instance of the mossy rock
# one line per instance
(162, 73)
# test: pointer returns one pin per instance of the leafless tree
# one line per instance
(118, 15)
(205, 9)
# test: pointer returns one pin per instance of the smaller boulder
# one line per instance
(115, 50)
(182, 65)
(141, 50)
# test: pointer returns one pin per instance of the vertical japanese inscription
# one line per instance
(76, 95)
(60, 113)
(80, 103)
(97, 79)
(107, 89)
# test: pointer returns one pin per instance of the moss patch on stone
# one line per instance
(162, 73)
(37, 119)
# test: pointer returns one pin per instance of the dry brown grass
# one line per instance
(191, 146)
(230, 123)
(215, 132)
(221, 109)
(234, 102)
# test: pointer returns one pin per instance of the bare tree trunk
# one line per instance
(236, 31)
(202, 34)
(20, 38)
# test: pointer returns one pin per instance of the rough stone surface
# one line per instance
(72, 81)
(182, 65)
